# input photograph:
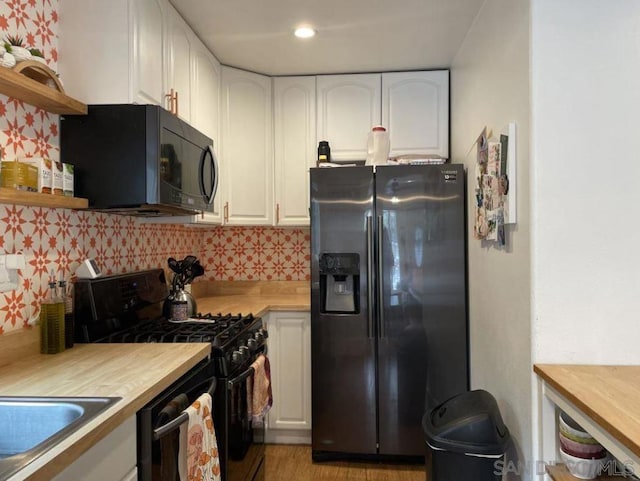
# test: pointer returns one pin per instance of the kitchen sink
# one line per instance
(29, 426)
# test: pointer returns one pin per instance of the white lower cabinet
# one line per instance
(111, 459)
(289, 343)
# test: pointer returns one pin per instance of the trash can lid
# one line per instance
(467, 423)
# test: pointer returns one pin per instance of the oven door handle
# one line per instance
(241, 377)
(181, 419)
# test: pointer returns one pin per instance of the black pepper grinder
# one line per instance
(324, 152)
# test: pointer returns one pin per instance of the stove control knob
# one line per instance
(236, 357)
(244, 352)
(252, 344)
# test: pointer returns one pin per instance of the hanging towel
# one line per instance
(198, 459)
(261, 396)
(169, 443)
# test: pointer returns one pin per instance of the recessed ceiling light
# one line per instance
(304, 32)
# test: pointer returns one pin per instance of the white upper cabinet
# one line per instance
(205, 113)
(179, 50)
(205, 92)
(112, 52)
(415, 110)
(247, 147)
(147, 22)
(294, 146)
(348, 107)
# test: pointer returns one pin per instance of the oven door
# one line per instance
(158, 458)
(246, 448)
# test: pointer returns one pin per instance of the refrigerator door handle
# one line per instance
(380, 277)
(370, 292)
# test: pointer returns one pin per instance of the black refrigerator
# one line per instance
(389, 333)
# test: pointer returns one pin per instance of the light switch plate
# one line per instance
(9, 265)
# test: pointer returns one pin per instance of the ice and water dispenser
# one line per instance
(340, 283)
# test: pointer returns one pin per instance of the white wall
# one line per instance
(586, 180)
(490, 86)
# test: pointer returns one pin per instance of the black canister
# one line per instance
(324, 152)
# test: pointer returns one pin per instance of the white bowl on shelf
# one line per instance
(581, 450)
(20, 53)
(574, 430)
(583, 468)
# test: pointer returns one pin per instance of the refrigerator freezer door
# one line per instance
(422, 350)
(342, 344)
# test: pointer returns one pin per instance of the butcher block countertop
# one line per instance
(609, 395)
(135, 372)
(257, 298)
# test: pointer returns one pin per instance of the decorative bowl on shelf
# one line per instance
(20, 53)
(39, 59)
(583, 468)
(580, 450)
(7, 60)
(572, 430)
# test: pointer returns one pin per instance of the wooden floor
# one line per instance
(293, 463)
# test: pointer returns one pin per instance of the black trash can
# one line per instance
(466, 439)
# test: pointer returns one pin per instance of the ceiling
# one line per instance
(352, 35)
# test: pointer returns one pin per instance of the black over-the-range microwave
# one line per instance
(139, 160)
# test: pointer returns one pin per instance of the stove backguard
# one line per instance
(109, 304)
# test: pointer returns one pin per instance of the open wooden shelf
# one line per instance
(559, 472)
(23, 88)
(34, 199)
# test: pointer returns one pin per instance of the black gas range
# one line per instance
(127, 308)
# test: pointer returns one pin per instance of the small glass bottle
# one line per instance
(68, 313)
(52, 322)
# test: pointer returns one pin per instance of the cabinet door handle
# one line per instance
(226, 212)
(175, 97)
(277, 213)
(171, 97)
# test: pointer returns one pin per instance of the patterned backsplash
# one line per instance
(58, 239)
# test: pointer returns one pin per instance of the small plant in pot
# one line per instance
(14, 45)
(6, 59)
(37, 55)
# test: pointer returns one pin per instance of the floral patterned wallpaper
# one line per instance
(58, 239)
(27, 130)
(257, 253)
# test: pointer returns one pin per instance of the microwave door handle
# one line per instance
(213, 181)
(214, 174)
(203, 188)
(181, 419)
